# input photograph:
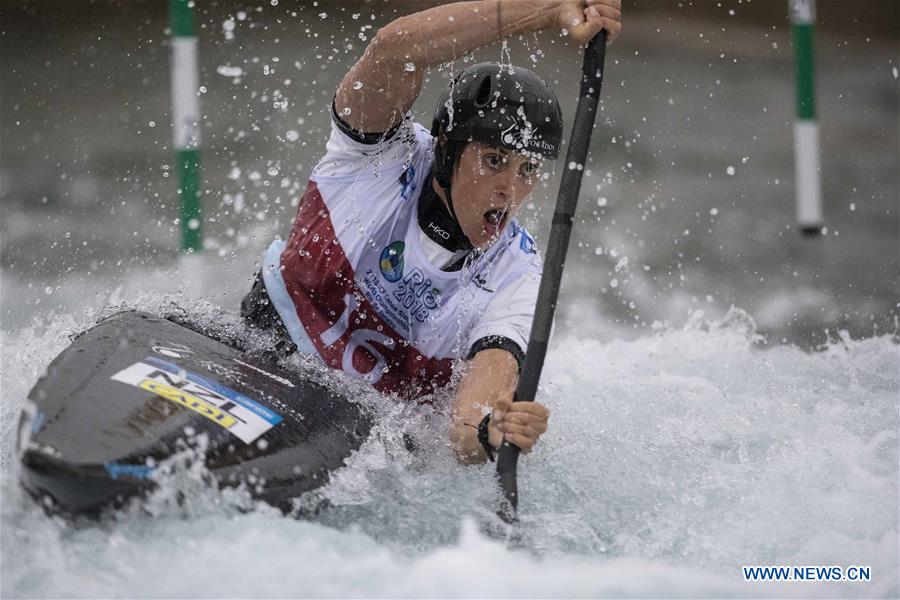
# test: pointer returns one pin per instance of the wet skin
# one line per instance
(490, 185)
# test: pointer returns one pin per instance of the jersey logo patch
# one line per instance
(391, 261)
(526, 244)
(408, 182)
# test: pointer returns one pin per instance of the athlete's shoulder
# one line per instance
(347, 156)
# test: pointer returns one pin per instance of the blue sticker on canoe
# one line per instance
(117, 470)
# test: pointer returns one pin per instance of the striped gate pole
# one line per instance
(186, 121)
(807, 175)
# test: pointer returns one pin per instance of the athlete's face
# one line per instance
(489, 186)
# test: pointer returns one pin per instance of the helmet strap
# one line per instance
(438, 224)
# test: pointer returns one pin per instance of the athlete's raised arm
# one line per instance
(382, 86)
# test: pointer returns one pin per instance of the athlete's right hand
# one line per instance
(584, 19)
(520, 423)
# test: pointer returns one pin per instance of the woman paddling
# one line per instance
(405, 254)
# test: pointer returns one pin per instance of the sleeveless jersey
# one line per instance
(354, 287)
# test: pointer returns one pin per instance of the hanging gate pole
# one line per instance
(807, 171)
(186, 121)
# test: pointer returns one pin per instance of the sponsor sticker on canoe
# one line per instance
(227, 408)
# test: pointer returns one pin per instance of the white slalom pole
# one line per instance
(807, 169)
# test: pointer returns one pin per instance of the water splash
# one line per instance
(684, 454)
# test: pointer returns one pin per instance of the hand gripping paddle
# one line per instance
(561, 228)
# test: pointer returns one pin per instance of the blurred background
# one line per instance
(687, 203)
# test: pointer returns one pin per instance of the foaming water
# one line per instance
(671, 461)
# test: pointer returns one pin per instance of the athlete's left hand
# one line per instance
(585, 18)
(522, 423)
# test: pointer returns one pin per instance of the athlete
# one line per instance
(405, 254)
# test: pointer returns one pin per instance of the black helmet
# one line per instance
(495, 104)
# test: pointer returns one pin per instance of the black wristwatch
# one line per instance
(483, 437)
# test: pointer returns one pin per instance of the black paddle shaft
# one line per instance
(554, 261)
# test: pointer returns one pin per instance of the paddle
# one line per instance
(561, 228)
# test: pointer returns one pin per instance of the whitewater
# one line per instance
(722, 391)
(672, 460)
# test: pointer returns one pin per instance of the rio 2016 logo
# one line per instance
(391, 261)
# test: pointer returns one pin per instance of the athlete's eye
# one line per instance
(494, 161)
(528, 169)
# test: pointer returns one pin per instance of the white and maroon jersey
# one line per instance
(353, 285)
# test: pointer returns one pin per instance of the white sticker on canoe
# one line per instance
(227, 408)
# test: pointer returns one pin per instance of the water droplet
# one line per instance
(410, 67)
(357, 85)
(730, 170)
(229, 71)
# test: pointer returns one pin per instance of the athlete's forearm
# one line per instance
(447, 32)
(382, 86)
(490, 375)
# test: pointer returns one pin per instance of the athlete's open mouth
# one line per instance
(495, 219)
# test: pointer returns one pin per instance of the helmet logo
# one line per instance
(515, 136)
(523, 138)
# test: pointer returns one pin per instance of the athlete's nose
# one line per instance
(504, 187)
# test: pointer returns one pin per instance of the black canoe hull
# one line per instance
(135, 389)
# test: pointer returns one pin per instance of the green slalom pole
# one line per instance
(807, 170)
(186, 121)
